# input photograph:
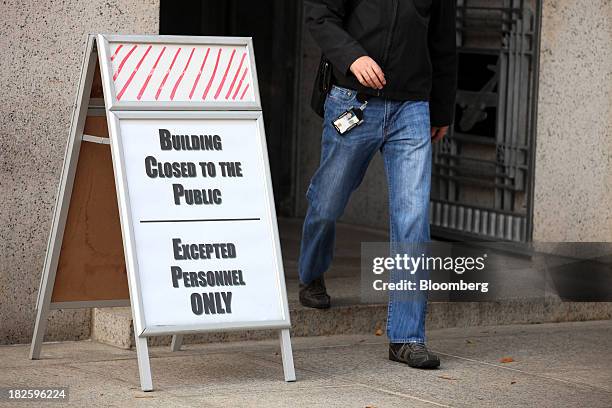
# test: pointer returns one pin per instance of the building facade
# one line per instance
(548, 178)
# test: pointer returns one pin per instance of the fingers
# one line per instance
(443, 132)
(438, 133)
(368, 78)
(368, 73)
(374, 79)
(360, 78)
(380, 75)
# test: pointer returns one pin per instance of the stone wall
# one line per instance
(573, 179)
(41, 48)
(41, 44)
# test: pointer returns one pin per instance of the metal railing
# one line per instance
(483, 170)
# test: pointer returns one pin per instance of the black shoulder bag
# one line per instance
(322, 84)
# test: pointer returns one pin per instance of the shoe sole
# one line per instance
(423, 364)
(315, 305)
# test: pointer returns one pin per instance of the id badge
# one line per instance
(349, 119)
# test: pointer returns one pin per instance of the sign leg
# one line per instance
(287, 355)
(177, 342)
(144, 367)
(39, 330)
(62, 200)
(43, 302)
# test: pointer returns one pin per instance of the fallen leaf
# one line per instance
(469, 342)
(378, 332)
(445, 377)
(506, 360)
(512, 382)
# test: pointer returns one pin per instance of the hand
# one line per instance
(368, 72)
(438, 133)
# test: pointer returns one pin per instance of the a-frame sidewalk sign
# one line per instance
(165, 200)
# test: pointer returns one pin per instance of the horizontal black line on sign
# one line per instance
(201, 220)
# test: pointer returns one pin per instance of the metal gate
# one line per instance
(482, 186)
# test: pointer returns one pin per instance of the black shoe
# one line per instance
(414, 354)
(315, 295)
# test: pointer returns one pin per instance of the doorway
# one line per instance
(275, 26)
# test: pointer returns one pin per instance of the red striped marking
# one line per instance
(146, 82)
(123, 62)
(240, 83)
(195, 83)
(225, 74)
(229, 91)
(116, 52)
(244, 92)
(212, 76)
(180, 78)
(161, 86)
(120, 94)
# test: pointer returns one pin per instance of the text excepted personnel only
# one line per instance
(206, 302)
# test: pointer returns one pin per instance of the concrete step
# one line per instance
(113, 326)
(348, 315)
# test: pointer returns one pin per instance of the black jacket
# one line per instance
(413, 41)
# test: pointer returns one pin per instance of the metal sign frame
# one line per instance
(115, 112)
(62, 201)
(103, 42)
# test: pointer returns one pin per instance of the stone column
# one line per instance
(573, 177)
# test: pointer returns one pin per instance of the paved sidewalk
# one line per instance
(555, 365)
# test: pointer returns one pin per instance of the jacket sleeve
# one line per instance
(443, 52)
(324, 19)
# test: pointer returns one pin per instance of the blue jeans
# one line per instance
(401, 131)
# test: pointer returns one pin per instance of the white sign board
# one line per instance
(192, 177)
(194, 189)
(202, 217)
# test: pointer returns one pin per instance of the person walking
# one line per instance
(394, 75)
